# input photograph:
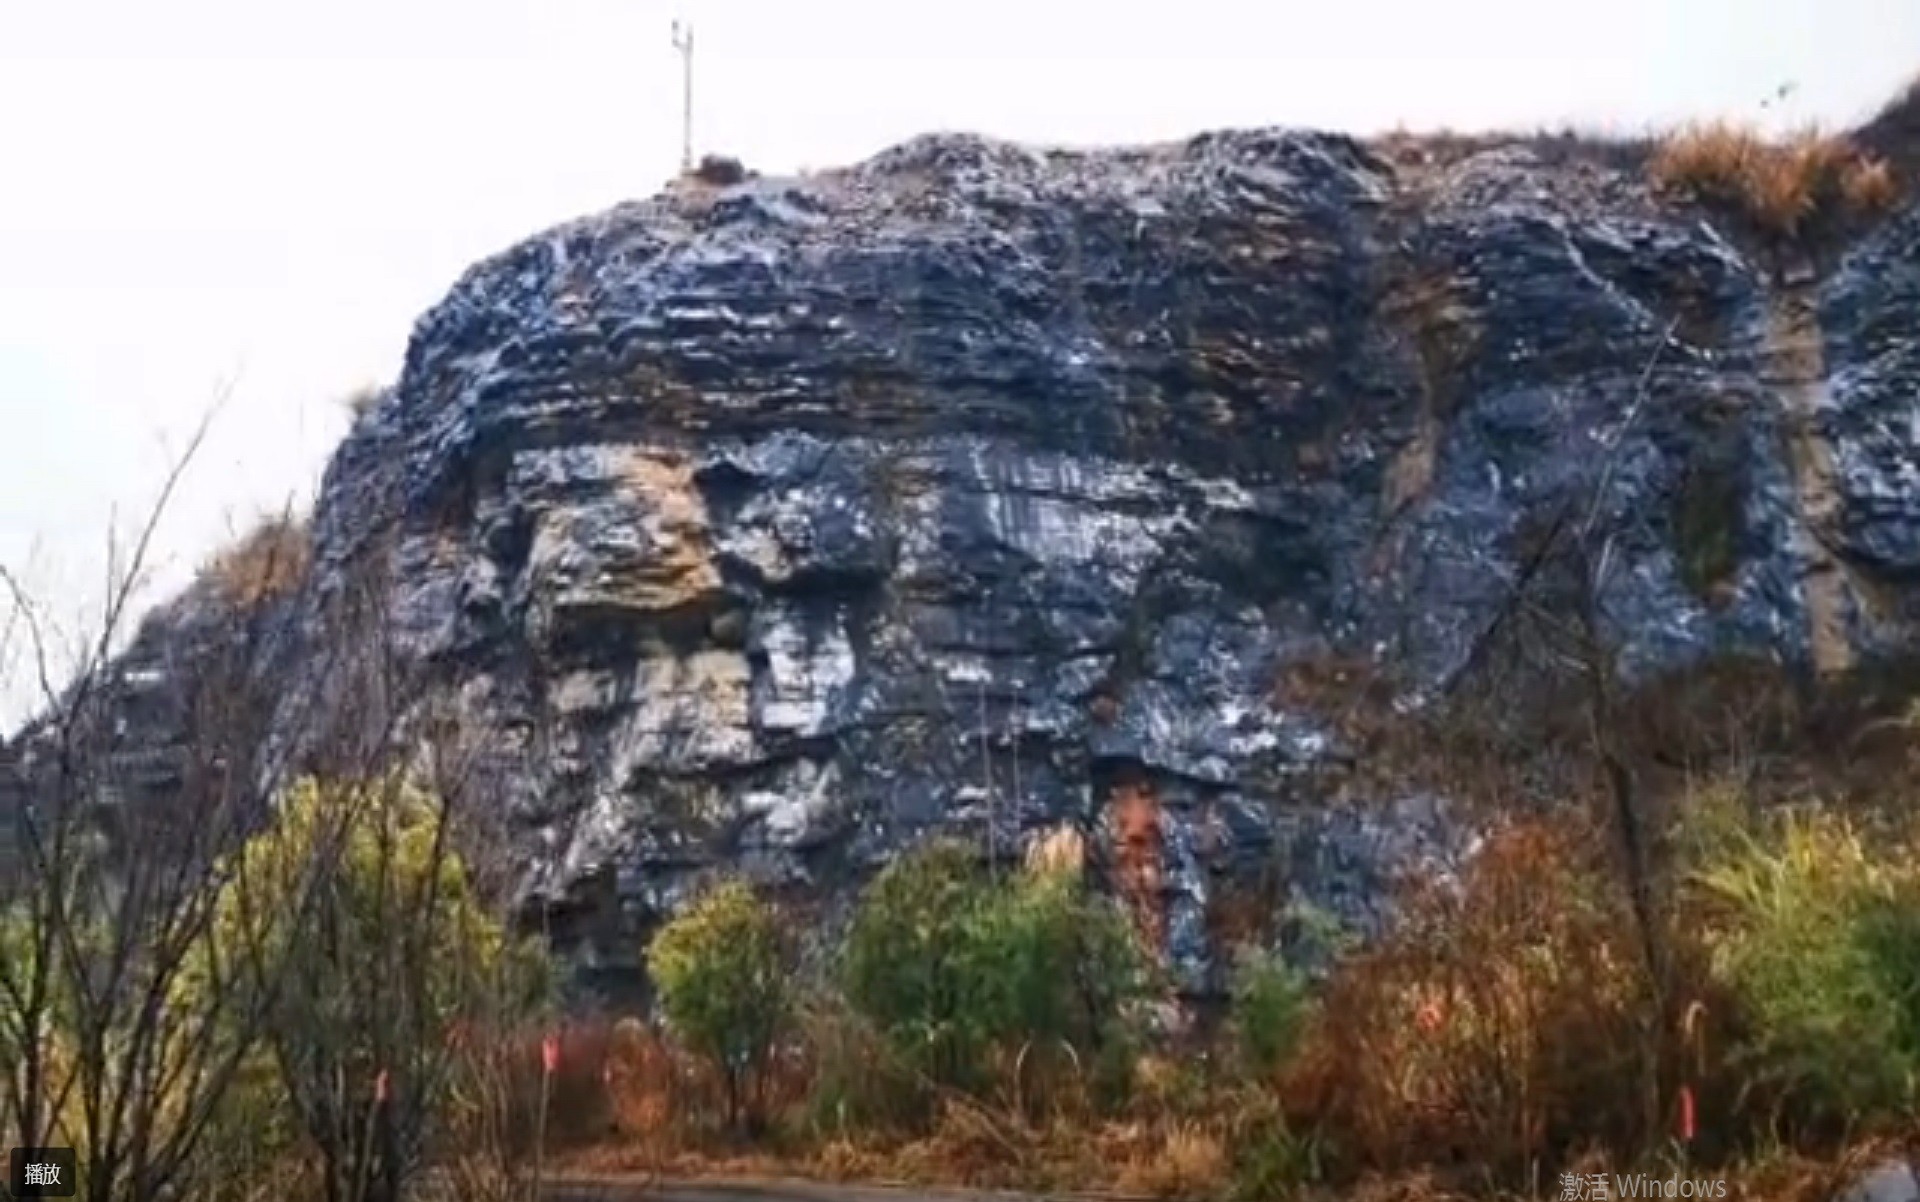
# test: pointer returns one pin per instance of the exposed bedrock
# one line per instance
(977, 489)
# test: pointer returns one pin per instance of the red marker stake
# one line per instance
(549, 1061)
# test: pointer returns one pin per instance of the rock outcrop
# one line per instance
(979, 489)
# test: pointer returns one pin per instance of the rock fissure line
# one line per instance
(1795, 354)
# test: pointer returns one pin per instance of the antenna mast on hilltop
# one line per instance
(683, 42)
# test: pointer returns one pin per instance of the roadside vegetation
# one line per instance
(1504, 1032)
(382, 1036)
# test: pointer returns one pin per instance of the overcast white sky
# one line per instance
(194, 191)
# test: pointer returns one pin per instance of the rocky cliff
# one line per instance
(978, 489)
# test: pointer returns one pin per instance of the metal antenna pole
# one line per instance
(683, 42)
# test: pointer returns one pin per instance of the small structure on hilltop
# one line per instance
(719, 171)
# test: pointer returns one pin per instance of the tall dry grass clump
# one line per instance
(1062, 851)
(1782, 186)
(266, 564)
(1868, 185)
(1504, 1024)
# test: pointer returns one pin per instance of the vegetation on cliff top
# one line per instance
(1783, 186)
(265, 564)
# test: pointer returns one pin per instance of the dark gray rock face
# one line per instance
(978, 489)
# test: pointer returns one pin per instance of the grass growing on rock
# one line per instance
(263, 565)
(1781, 186)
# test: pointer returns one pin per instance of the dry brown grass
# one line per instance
(1119, 1161)
(288, 1178)
(580, 1106)
(1782, 1175)
(1191, 1162)
(363, 400)
(266, 564)
(1061, 851)
(1440, 150)
(1783, 187)
(973, 1145)
(642, 1080)
(1035, 1132)
(504, 1074)
(1505, 1023)
(1869, 185)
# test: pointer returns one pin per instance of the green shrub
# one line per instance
(1270, 1159)
(1272, 1001)
(1818, 938)
(960, 971)
(377, 956)
(723, 980)
(904, 962)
